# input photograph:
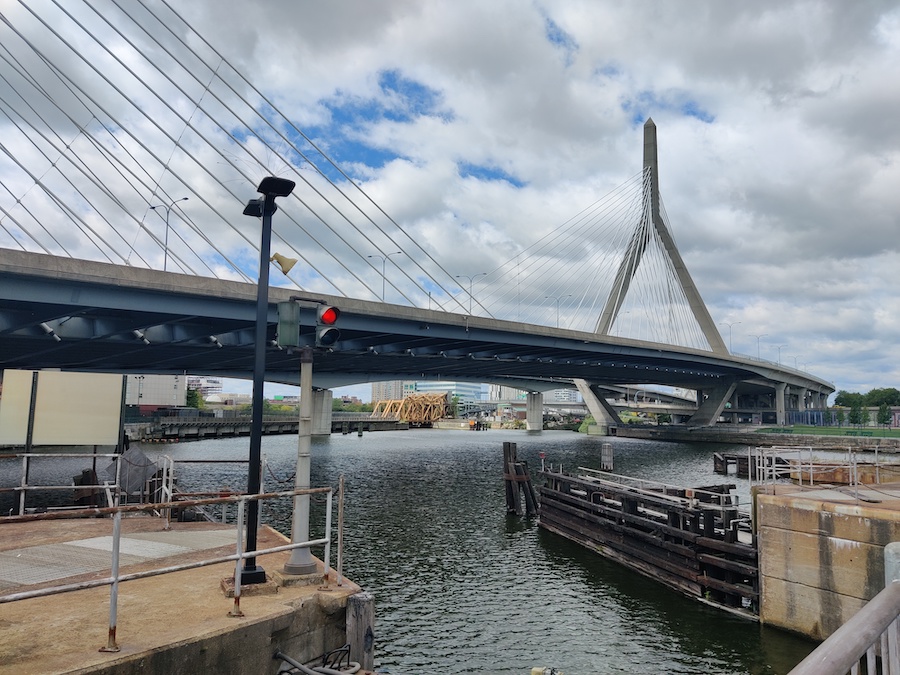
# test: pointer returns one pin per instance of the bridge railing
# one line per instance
(871, 638)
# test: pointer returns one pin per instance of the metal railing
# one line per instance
(116, 577)
(870, 640)
(109, 489)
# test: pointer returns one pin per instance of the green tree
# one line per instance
(840, 416)
(193, 399)
(884, 414)
(846, 398)
(588, 421)
(887, 396)
(856, 413)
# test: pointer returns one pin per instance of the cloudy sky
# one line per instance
(480, 127)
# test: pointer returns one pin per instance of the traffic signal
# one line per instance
(326, 333)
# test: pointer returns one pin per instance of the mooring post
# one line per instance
(361, 629)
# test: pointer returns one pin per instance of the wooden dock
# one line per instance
(692, 540)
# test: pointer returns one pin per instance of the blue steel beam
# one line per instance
(105, 316)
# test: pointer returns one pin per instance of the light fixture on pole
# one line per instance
(733, 323)
(779, 353)
(757, 343)
(471, 284)
(270, 187)
(561, 297)
(384, 259)
(168, 208)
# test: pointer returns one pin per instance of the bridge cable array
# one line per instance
(112, 112)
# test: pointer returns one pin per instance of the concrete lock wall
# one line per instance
(304, 630)
(819, 561)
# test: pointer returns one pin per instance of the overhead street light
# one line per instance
(779, 353)
(561, 297)
(471, 284)
(757, 343)
(733, 323)
(270, 187)
(168, 208)
(384, 259)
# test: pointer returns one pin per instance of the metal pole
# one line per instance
(253, 573)
(301, 560)
(111, 645)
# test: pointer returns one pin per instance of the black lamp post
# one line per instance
(270, 187)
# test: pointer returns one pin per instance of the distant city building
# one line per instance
(207, 386)
(392, 390)
(497, 392)
(157, 390)
(468, 392)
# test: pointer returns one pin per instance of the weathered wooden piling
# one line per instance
(685, 538)
(515, 474)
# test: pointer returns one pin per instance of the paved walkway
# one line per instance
(62, 633)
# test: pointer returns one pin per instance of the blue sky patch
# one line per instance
(561, 39)
(346, 137)
(648, 103)
(488, 173)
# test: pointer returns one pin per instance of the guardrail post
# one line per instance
(239, 552)
(111, 645)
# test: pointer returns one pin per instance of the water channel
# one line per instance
(461, 587)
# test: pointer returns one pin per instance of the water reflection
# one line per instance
(461, 587)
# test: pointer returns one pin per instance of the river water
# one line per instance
(460, 587)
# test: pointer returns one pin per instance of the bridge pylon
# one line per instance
(652, 223)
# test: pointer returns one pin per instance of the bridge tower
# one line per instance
(651, 221)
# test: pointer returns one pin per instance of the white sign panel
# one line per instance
(70, 408)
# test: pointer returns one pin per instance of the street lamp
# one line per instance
(384, 259)
(471, 284)
(733, 323)
(757, 343)
(270, 187)
(779, 353)
(168, 208)
(561, 297)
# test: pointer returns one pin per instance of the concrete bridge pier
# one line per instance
(321, 412)
(602, 412)
(534, 411)
(779, 403)
(710, 407)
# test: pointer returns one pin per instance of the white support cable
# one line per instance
(187, 124)
(334, 165)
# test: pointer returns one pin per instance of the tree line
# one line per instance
(859, 404)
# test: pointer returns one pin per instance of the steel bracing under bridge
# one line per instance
(61, 313)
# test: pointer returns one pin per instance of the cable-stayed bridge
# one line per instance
(130, 145)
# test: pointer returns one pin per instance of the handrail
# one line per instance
(115, 578)
(876, 625)
(24, 487)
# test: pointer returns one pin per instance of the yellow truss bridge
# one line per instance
(417, 409)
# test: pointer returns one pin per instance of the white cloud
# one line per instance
(778, 149)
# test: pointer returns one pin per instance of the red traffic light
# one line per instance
(326, 334)
(328, 315)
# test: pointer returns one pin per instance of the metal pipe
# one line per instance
(327, 557)
(236, 609)
(340, 535)
(157, 506)
(111, 645)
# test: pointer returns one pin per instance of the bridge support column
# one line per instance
(602, 412)
(709, 409)
(801, 399)
(534, 411)
(779, 403)
(321, 412)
